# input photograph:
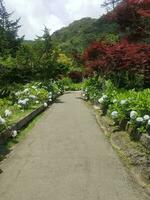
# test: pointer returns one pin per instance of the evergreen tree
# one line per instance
(9, 39)
(47, 40)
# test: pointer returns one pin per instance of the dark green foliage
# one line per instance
(35, 60)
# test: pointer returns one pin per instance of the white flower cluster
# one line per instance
(2, 121)
(84, 94)
(26, 90)
(114, 115)
(115, 101)
(45, 105)
(144, 119)
(34, 87)
(8, 113)
(14, 133)
(33, 97)
(50, 96)
(103, 99)
(139, 120)
(133, 115)
(23, 102)
(123, 102)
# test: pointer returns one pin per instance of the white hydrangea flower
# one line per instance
(2, 120)
(50, 100)
(122, 102)
(26, 90)
(146, 117)
(23, 102)
(114, 114)
(50, 94)
(27, 99)
(8, 113)
(32, 97)
(37, 102)
(45, 87)
(115, 101)
(17, 93)
(148, 122)
(45, 105)
(133, 114)
(105, 97)
(34, 87)
(14, 133)
(139, 119)
(101, 100)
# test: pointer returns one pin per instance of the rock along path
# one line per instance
(66, 157)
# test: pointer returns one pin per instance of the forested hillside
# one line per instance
(79, 34)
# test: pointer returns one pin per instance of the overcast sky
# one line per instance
(52, 13)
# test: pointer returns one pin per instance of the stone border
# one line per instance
(6, 134)
(145, 141)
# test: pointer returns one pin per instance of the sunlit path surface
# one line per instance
(66, 157)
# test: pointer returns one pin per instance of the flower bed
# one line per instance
(20, 104)
(129, 109)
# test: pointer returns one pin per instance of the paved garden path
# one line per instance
(66, 157)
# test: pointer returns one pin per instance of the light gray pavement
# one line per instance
(66, 157)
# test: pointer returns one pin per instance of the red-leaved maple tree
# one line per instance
(121, 57)
(133, 18)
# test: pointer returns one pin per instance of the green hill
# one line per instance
(80, 33)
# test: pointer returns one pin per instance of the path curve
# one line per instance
(66, 157)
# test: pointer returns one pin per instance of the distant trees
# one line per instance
(36, 60)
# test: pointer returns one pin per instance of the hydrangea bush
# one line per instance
(129, 109)
(26, 99)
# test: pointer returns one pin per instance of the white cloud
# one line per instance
(52, 13)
